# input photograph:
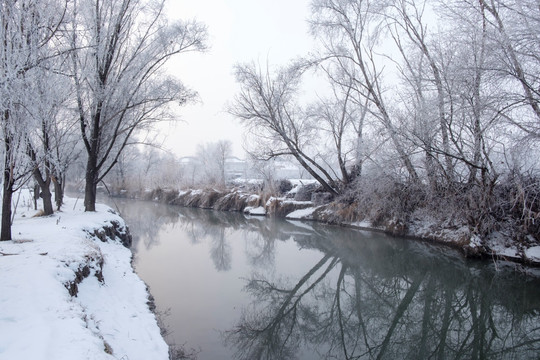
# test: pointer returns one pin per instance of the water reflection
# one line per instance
(144, 219)
(389, 300)
(365, 295)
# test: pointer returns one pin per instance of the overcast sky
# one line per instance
(239, 31)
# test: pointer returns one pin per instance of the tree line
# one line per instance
(140, 170)
(426, 102)
(87, 72)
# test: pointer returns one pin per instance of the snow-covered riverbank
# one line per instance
(66, 294)
(421, 225)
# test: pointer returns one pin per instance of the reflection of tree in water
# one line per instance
(365, 298)
(221, 251)
(144, 219)
(261, 237)
(380, 299)
(204, 224)
(217, 227)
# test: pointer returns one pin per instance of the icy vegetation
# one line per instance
(69, 291)
(403, 214)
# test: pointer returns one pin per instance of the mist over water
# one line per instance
(232, 286)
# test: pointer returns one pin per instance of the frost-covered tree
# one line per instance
(350, 32)
(435, 104)
(143, 168)
(28, 29)
(120, 48)
(341, 118)
(268, 105)
(213, 156)
(513, 24)
(51, 141)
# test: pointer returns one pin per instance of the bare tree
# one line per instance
(349, 32)
(50, 142)
(120, 48)
(27, 28)
(516, 23)
(410, 18)
(267, 105)
(213, 157)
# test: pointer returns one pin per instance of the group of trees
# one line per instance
(212, 157)
(150, 168)
(142, 168)
(439, 96)
(87, 72)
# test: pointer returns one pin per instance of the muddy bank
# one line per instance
(302, 204)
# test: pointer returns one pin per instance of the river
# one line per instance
(229, 286)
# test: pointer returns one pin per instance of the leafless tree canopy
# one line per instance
(439, 99)
(88, 66)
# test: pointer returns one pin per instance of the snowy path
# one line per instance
(39, 319)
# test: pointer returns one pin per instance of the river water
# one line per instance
(234, 287)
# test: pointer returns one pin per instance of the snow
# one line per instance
(303, 181)
(302, 213)
(287, 201)
(362, 224)
(258, 211)
(298, 183)
(533, 253)
(39, 319)
(475, 241)
(509, 253)
(294, 202)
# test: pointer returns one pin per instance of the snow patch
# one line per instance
(258, 211)
(533, 253)
(475, 241)
(362, 224)
(306, 213)
(38, 317)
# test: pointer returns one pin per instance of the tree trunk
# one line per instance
(45, 191)
(90, 190)
(315, 175)
(44, 182)
(46, 197)
(356, 171)
(36, 195)
(6, 210)
(5, 232)
(476, 101)
(58, 192)
(430, 167)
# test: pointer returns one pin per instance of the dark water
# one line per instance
(253, 288)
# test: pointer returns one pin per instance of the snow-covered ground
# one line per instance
(108, 318)
(302, 214)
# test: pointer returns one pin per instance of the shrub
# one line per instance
(284, 186)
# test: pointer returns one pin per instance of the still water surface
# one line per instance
(236, 287)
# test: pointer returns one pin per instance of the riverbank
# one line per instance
(69, 290)
(301, 203)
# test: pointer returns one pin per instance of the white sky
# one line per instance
(239, 31)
